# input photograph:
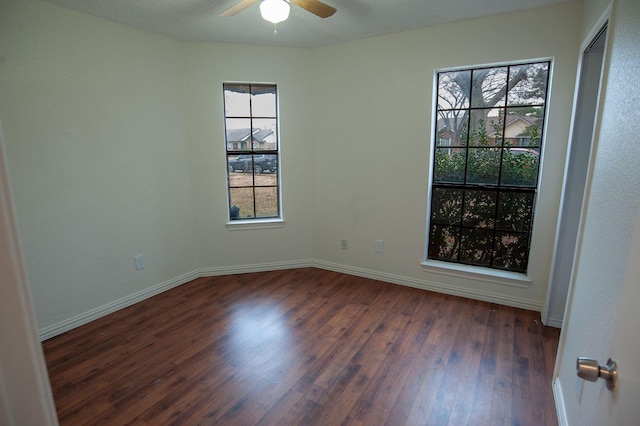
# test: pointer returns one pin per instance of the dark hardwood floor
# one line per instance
(305, 346)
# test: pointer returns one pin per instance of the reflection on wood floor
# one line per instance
(305, 346)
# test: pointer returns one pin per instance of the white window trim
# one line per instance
(477, 273)
(238, 225)
(246, 224)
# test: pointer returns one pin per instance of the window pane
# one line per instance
(528, 84)
(266, 170)
(266, 179)
(237, 166)
(483, 166)
(477, 247)
(486, 127)
(266, 202)
(524, 126)
(242, 199)
(479, 209)
(236, 100)
(489, 87)
(515, 211)
(453, 89)
(444, 242)
(264, 134)
(446, 206)
(520, 167)
(238, 134)
(511, 251)
(263, 100)
(449, 165)
(240, 163)
(258, 164)
(239, 179)
(452, 128)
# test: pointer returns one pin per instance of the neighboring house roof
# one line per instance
(510, 120)
(523, 120)
(262, 134)
(242, 135)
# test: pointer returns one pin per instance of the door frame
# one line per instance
(561, 272)
(604, 20)
(25, 391)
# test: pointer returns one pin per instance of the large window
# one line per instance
(486, 157)
(251, 129)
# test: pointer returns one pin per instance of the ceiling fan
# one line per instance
(278, 10)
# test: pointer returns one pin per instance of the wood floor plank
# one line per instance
(305, 347)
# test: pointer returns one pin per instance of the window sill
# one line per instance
(238, 225)
(494, 276)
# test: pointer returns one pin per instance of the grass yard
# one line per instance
(265, 188)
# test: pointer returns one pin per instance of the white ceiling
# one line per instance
(355, 19)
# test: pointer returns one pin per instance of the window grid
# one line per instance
(499, 243)
(252, 170)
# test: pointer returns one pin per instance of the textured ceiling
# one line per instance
(198, 19)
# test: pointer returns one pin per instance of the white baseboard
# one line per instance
(558, 397)
(93, 314)
(501, 299)
(258, 267)
(84, 318)
(554, 322)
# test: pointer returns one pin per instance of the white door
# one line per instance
(603, 312)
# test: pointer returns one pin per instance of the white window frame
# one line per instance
(254, 223)
(472, 272)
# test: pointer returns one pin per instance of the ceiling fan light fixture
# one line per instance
(274, 10)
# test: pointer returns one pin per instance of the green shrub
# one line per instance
(483, 167)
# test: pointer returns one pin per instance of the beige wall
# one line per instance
(115, 146)
(93, 114)
(593, 10)
(374, 106)
(209, 65)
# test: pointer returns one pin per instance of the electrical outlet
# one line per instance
(379, 246)
(343, 244)
(139, 260)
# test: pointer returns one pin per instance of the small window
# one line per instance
(486, 159)
(251, 141)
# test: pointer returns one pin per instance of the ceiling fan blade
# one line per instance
(316, 7)
(238, 7)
